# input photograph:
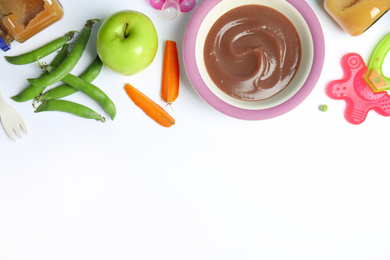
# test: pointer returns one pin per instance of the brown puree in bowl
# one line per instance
(252, 52)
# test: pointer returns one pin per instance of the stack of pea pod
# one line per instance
(59, 70)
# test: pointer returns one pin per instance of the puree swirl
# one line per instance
(252, 52)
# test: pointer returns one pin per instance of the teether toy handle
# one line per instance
(374, 76)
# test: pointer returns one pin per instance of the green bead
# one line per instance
(323, 108)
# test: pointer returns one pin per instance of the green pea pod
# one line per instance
(71, 60)
(41, 52)
(69, 107)
(94, 92)
(61, 91)
(91, 90)
(32, 91)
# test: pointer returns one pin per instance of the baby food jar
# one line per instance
(355, 17)
(21, 19)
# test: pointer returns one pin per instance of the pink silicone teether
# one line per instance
(172, 8)
(356, 92)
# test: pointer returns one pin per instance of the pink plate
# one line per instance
(203, 90)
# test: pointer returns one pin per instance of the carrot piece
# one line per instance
(170, 73)
(153, 110)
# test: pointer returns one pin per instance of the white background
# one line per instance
(304, 185)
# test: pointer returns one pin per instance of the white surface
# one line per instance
(305, 185)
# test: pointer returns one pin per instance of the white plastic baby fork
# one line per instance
(12, 122)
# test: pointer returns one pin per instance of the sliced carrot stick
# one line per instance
(170, 73)
(153, 110)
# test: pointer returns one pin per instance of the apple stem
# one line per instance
(126, 33)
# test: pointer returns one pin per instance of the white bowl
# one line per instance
(306, 59)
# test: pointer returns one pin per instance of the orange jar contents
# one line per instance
(21, 19)
(356, 16)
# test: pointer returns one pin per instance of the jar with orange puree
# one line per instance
(22, 19)
(356, 16)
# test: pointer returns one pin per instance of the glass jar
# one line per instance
(355, 17)
(21, 19)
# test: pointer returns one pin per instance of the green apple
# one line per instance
(127, 42)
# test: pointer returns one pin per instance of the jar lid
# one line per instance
(3, 45)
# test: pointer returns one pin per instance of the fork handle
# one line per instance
(3, 104)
